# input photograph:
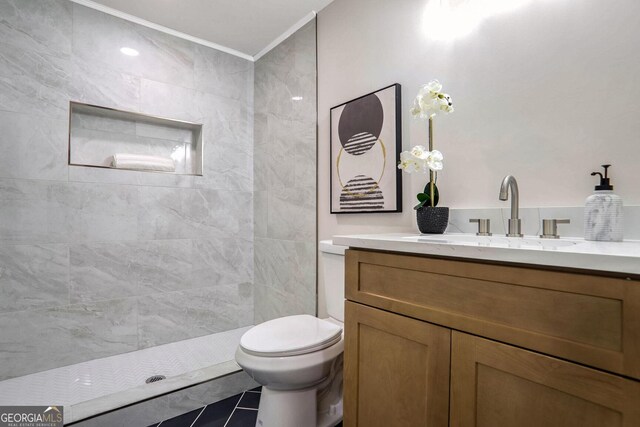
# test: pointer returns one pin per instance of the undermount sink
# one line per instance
(497, 241)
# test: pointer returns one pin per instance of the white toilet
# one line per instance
(298, 359)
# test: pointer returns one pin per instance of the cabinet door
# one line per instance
(494, 384)
(396, 370)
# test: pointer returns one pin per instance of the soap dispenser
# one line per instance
(603, 212)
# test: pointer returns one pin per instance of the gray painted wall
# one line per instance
(99, 262)
(285, 178)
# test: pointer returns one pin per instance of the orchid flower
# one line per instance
(420, 160)
(431, 101)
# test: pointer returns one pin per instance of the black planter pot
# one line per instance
(432, 220)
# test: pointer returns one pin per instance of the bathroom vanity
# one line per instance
(442, 331)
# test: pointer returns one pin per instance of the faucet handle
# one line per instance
(550, 228)
(484, 226)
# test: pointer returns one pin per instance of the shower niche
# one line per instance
(102, 137)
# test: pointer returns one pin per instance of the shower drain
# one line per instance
(155, 378)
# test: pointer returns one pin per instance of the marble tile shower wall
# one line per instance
(98, 262)
(285, 178)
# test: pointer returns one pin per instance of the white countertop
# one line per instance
(618, 257)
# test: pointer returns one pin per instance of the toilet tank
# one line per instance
(333, 269)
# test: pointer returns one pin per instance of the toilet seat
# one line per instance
(290, 336)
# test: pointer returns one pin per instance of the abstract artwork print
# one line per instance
(366, 141)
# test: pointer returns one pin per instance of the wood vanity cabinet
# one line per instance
(449, 342)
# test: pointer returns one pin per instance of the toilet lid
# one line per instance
(290, 336)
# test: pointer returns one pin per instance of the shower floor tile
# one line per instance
(89, 388)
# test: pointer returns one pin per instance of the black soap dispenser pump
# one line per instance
(603, 212)
(605, 182)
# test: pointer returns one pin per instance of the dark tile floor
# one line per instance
(240, 410)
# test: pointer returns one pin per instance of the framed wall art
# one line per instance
(366, 141)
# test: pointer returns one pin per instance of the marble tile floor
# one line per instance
(240, 410)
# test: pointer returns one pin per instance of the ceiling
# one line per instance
(247, 26)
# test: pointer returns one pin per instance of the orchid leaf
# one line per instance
(425, 198)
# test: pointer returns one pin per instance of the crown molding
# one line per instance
(301, 23)
(143, 22)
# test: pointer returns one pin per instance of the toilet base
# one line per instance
(291, 408)
(295, 408)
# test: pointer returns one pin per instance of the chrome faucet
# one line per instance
(515, 224)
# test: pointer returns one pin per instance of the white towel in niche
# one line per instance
(143, 162)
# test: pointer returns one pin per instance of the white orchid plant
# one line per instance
(429, 102)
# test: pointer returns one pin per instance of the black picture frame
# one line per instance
(390, 163)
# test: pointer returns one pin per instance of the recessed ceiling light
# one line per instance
(297, 98)
(129, 51)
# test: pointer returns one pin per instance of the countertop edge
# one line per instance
(607, 263)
